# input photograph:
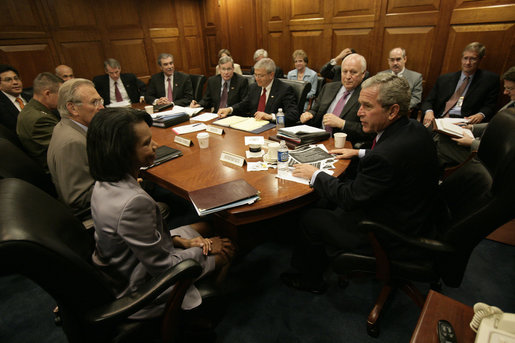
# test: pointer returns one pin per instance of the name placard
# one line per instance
(215, 130)
(183, 141)
(232, 158)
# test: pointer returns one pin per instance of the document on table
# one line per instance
(301, 128)
(180, 130)
(124, 103)
(205, 117)
(288, 176)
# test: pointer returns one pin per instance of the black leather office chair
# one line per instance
(250, 78)
(10, 136)
(16, 163)
(480, 199)
(301, 90)
(42, 240)
(197, 81)
(320, 84)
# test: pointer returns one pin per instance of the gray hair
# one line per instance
(402, 49)
(265, 63)
(392, 90)
(162, 57)
(46, 81)
(361, 59)
(68, 93)
(476, 47)
(225, 59)
(111, 62)
(260, 52)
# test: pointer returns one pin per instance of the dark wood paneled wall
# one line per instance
(433, 32)
(37, 35)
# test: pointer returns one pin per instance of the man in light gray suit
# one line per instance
(78, 102)
(397, 61)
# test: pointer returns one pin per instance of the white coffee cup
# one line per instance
(339, 139)
(272, 151)
(149, 109)
(203, 140)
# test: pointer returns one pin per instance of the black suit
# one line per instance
(331, 72)
(236, 92)
(279, 74)
(9, 112)
(182, 88)
(396, 185)
(353, 127)
(134, 87)
(281, 96)
(481, 95)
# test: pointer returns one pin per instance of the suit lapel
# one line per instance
(272, 96)
(351, 102)
(161, 85)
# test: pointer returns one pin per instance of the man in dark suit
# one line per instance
(262, 53)
(396, 185)
(112, 90)
(12, 100)
(470, 93)
(266, 96)
(224, 89)
(337, 105)
(169, 86)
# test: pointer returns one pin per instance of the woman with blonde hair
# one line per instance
(303, 73)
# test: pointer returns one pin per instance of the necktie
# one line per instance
(338, 108)
(262, 102)
(170, 96)
(374, 143)
(117, 93)
(455, 97)
(20, 102)
(223, 99)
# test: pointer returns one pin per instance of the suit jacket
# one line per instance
(415, 82)
(9, 112)
(331, 72)
(396, 183)
(349, 113)
(134, 87)
(182, 88)
(34, 128)
(68, 164)
(132, 245)
(481, 95)
(281, 96)
(236, 93)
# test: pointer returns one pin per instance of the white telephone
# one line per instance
(492, 325)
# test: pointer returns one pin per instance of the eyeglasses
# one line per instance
(260, 76)
(227, 69)
(10, 79)
(509, 89)
(471, 59)
(96, 102)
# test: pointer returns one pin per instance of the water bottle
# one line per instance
(282, 159)
(279, 119)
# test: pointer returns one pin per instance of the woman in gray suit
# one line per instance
(131, 243)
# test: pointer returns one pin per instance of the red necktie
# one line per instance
(262, 102)
(20, 102)
(223, 99)
(170, 96)
(374, 143)
(338, 108)
(117, 93)
(455, 97)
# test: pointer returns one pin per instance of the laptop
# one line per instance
(164, 153)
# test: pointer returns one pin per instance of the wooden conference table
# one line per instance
(199, 168)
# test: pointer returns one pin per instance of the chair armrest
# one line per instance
(123, 307)
(418, 242)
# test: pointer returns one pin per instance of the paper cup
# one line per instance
(203, 140)
(339, 139)
(272, 151)
(149, 109)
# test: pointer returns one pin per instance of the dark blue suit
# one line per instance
(182, 88)
(237, 91)
(281, 96)
(134, 87)
(9, 112)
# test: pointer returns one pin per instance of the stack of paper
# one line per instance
(242, 123)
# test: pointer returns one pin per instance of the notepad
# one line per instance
(242, 123)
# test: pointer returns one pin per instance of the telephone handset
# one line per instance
(492, 324)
